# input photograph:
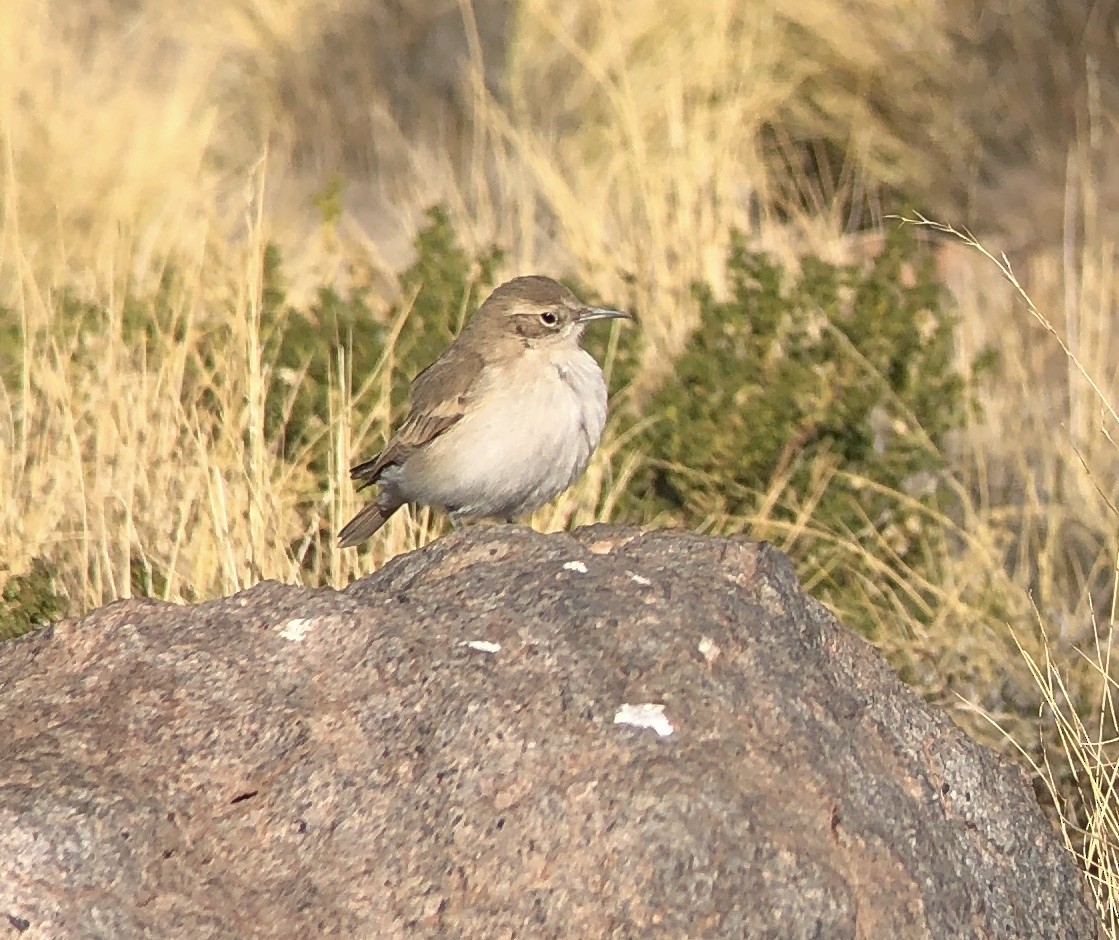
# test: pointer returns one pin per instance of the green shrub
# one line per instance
(441, 286)
(28, 601)
(830, 393)
(447, 286)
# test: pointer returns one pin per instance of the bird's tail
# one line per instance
(365, 523)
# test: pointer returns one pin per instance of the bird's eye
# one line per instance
(548, 318)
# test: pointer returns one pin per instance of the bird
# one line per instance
(503, 421)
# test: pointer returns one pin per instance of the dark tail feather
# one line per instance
(366, 473)
(365, 523)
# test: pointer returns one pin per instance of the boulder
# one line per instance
(611, 732)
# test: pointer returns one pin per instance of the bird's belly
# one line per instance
(522, 445)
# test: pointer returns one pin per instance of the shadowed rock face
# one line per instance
(294, 763)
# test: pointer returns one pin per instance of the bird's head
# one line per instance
(537, 311)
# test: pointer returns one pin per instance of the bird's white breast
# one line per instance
(527, 436)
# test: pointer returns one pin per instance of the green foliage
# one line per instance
(299, 346)
(28, 601)
(443, 286)
(11, 347)
(440, 287)
(329, 200)
(830, 392)
(143, 323)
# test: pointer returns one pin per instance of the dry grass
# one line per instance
(1069, 580)
(627, 148)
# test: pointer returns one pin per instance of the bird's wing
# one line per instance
(439, 398)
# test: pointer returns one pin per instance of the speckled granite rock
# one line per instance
(437, 751)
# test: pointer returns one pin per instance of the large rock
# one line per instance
(437, 751)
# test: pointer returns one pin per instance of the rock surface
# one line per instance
(436, 751)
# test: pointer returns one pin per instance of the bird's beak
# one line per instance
(601, 313)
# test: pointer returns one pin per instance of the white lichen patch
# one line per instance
(295, 630)
(646, 715)
(482, 646)
(575, 566)
(638, 578)
(708, 648)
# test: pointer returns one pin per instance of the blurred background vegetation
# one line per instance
(231, 233)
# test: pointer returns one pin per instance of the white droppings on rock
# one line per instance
(709, 649)
(295, 630)
(647, 715)
(638, 579)
(575, 566)
(482, 646)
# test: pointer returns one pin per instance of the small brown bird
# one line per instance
(503, 421)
